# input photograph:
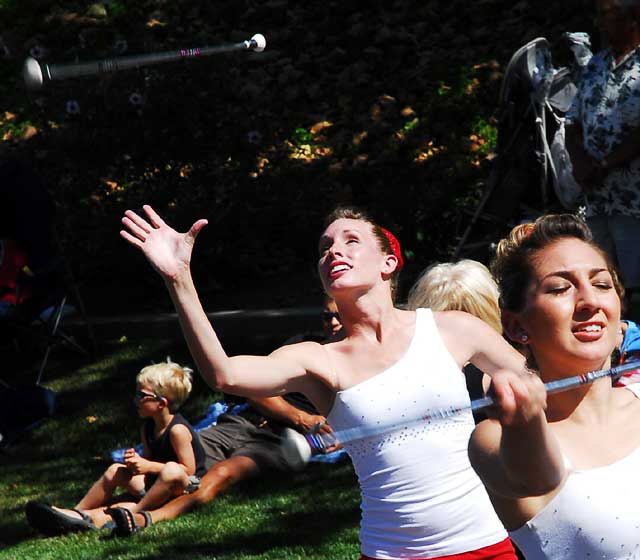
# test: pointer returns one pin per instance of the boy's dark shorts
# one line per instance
(235, 436)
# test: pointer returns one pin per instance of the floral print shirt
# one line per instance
(607, 106)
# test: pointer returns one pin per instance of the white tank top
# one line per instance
(420, 496)
(596, 515)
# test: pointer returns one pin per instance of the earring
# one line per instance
(524, 337)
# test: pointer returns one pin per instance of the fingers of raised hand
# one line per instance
(196, 228)
(131, 239)
(134, 229)
(153, 216)
(138, 221)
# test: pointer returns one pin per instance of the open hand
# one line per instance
(168, 251)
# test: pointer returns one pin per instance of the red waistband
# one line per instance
(502, 550)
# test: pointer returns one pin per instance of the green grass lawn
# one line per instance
(312, 514)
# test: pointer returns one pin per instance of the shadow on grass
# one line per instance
(295, 530)
(320, 503)
(94, 415)
(57, 462)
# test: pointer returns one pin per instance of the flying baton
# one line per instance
(36, 74)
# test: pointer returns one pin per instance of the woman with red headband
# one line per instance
(420, 497)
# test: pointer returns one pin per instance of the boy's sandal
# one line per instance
(125, 521)
(52, 522)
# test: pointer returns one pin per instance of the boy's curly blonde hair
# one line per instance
(169, 380)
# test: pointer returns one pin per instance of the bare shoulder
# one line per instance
(179, 431)
(406, 315)
(484, 452)
(484, 455)
(485, 440)
(300, 352)
(454, 320)
(310, 358)
(460, 332)
(627, 401)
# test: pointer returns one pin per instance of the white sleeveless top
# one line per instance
(596, 515)
(420, 496)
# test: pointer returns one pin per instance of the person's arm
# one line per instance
(516, 455)
(625, 151)
(586, 169)
(277, 408)
(180, 441)
(169, 252)
(182, 445)
(480, 345)
(137, 464)
(140, 465)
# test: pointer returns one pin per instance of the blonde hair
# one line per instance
(463, 286)
(169, 380)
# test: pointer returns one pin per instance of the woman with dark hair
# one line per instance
(560, 479)
(420, 496)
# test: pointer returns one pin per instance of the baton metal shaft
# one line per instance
(322, 441)
(63, 71)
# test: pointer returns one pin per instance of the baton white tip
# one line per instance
(260, 42)
(295, 448)
(32, 73)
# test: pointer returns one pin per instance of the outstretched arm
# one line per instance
(279, 409)
(481, 345)
(516, 455)
(169, 252)
(181, 443)
(586, 170)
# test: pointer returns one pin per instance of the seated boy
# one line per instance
(245, 445)
(172, 462)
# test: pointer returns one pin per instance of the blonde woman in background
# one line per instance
(463, 286)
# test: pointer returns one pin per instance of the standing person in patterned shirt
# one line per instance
(603, 136)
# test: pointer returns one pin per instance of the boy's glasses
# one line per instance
(139, 396)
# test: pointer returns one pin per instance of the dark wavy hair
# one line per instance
(512, 265)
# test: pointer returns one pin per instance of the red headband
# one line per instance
(395, 247)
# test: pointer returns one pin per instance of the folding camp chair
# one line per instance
(34, 305)
(532, 171)
(36, 286)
